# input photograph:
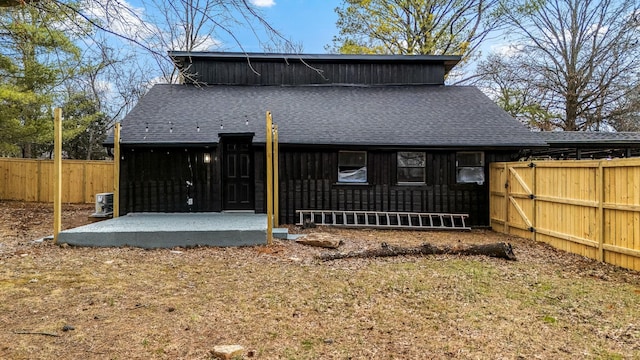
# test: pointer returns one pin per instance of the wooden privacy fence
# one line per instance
(32, 180)
(591, 208)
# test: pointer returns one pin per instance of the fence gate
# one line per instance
(513, 198)
(590, 208)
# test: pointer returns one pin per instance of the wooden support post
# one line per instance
(57, 173)
(276, 171)
(534, 204)
(269, 190)
(116, 170)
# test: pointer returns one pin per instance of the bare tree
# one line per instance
(187, 25)
(104, 89)
(507, 83)
(184, 25)
(581, 57)
(105, 84)
(201, 25)
(629, 118)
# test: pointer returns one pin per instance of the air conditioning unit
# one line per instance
(104, 205)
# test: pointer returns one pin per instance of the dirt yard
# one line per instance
(280, 302)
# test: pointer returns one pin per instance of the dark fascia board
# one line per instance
(396, 147)
(340, 147)
(601, 144)
(163, 145)
(449, 60)
(261, 142)
(598, 142)
(585, 138)
(109, 142)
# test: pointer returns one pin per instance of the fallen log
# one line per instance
(36, 333)
(498, 250)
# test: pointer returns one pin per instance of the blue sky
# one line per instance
(310, 22)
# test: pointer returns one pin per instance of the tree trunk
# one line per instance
(89, 145)
(499, 250)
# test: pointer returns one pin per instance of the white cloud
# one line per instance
(119, 17)
(507, 50)
(155, 80)
(104, 86)
(202, 43)
(597, 30)
(263, 3)
(208, 44)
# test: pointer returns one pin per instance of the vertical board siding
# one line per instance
(308, 181)
(296, 73)
(590, 208)
(164, 179)
(32, 180)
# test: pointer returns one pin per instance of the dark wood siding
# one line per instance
(259, 159)
(308, 181)
(296, 73)
(164, 179)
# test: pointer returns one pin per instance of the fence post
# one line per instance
(39, 181)
(600, 219)
(84, 181)
(534, 204)
(506, 198)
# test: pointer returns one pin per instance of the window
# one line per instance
(352, 166)
(411, 167)
(470, 167)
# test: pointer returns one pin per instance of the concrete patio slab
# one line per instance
(167, 230)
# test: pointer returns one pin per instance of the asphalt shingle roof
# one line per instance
(589, 137)
(434, 116)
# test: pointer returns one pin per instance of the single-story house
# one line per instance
(356, 132)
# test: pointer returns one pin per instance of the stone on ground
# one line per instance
(227, 352)
(320, 240)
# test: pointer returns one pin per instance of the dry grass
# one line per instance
(281, 303)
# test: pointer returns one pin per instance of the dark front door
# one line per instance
(237, 174)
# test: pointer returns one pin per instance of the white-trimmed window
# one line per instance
(352, 166)
(411, 167)
(470, 167)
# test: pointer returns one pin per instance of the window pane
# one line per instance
(470, 158)
(352, 166)
(411, 159)
(352, 158)
(471, 175)
(352, 175)
(411, 175)
(411, 166)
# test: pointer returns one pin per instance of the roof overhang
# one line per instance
(449, 61)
